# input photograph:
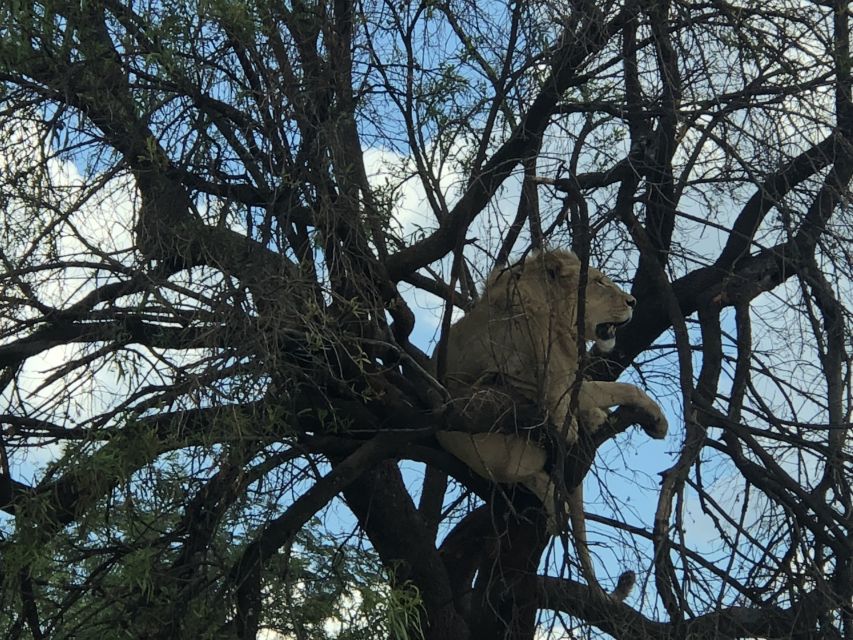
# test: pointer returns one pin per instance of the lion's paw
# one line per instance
(569, 429)
(593, 418)
(657, 425)
(557, 522)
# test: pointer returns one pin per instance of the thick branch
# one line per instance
(624, 623)
(384, 508)
(246, 575)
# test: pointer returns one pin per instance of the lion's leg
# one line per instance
(541, 485)
(495, 456)
(504, 458)
(598, 395)
(559, 402)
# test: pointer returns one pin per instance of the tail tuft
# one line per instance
(624, 586)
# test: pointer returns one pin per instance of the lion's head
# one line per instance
(547, 283)
(607, 307)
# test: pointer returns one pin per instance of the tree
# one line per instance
(209, 274)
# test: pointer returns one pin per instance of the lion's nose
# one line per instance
(631, 301)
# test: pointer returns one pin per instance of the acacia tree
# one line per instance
(219, 219)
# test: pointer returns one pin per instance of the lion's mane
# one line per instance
(523, 333)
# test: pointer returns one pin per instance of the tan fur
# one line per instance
(523, 335)
(523, 332)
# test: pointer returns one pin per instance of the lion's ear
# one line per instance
(560, 263)
(553, 271)
(503, 274)
(502, 284)
(554, 265)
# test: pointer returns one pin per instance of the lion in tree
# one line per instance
(521, 340)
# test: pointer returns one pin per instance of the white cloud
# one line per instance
(53, 215)
(392, 175)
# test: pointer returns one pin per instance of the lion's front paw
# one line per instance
(563, 421)
(569, 430)
(592, 419)
(656, 426)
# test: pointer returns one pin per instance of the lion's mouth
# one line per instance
(607, 330)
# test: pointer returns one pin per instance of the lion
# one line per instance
(523, 333)
(523, 336)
